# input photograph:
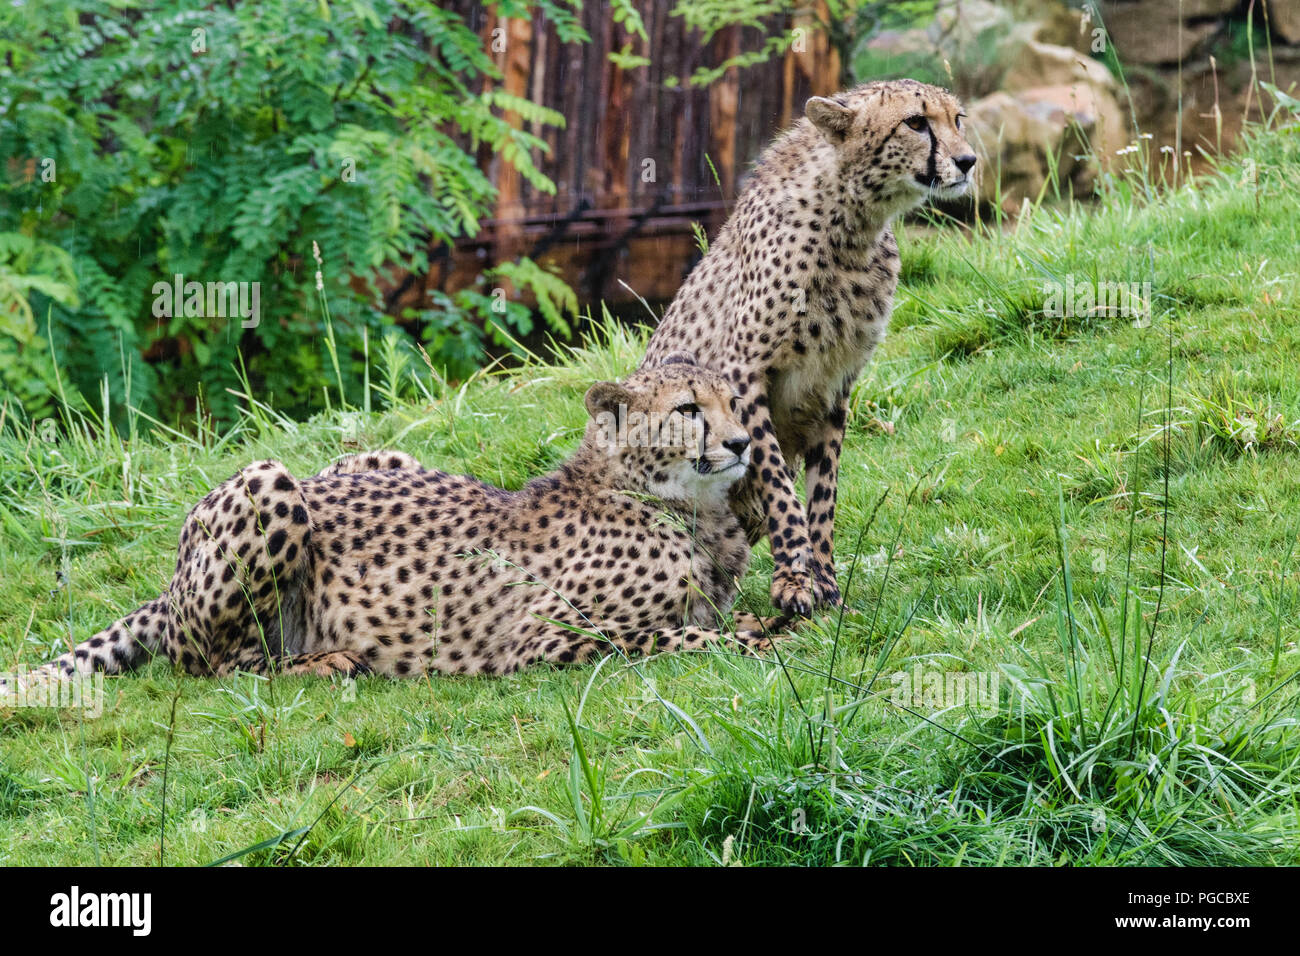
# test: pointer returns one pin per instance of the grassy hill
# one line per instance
(1083, 524)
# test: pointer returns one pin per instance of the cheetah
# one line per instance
(377, 564)
(795, 294)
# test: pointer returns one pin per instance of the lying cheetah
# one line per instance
(377, 564)
(795, 294)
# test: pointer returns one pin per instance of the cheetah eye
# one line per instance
(960, 117)
(918, 123)
(690, 408)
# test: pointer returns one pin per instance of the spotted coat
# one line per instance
(794, 296)
(378, 564)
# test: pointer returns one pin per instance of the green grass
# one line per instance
(1098, 512)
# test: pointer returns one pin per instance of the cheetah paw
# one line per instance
(761, 641)
(791, 593)
(826, 590)
(744, 621)
(330, 663)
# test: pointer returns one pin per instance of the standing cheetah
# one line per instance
(795, 294)
(377, 564)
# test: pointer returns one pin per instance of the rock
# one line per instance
(1154, 94)
(1153, 32)
(1284, 19)
(1042, 64)
(1192, 9)
(1094, 109)
(1060, 25)
(971, 19)
(977, 39)
(1015, 133)
(1076, 84)
(891, 54)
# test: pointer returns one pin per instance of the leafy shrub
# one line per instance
(144, 139)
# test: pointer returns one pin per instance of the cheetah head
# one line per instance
(670, 430)
(898, 143)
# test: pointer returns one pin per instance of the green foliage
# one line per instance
(948, 46)
(896, 14)
(145, 139)
(554, 297)
(785, 24)
(498, 317)
(710, 16)
(626, 15)
(30, 267)
(707, 17)
(1234, 423)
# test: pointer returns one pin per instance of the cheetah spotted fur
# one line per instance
(795, 294)
(379, 565)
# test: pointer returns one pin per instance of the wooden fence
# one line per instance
(634, 165)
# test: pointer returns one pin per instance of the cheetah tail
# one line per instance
(122, 646)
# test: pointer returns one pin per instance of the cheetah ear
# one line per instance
(607, 397)
(831, 118)
(680, 358)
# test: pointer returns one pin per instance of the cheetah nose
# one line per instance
(736, 446)
(964, 163)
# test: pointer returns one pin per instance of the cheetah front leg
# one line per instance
(786, 527)
(821, 481)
